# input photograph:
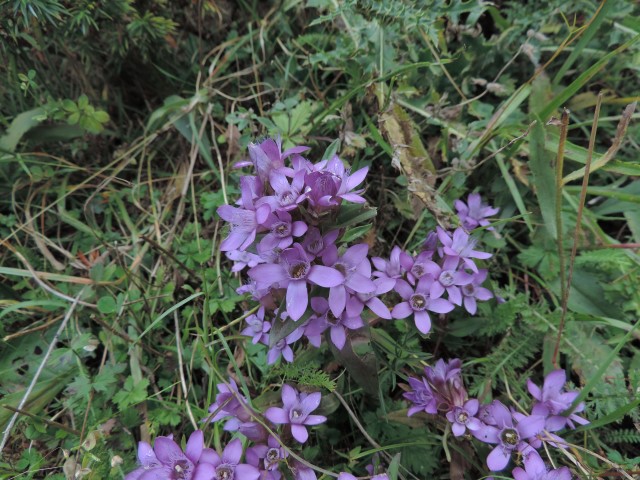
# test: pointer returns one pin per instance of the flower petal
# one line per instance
(232, 452)
(325, 276)
(401, 310)
(277, 415)
(195, 444)
(498, 459)
(422, 321)
(297, 298)
(246, 472)
(299, 432)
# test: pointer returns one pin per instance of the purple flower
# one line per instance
(445, 380)
(282, 348)
(243, 259)
(448, 278)
(348, 181)
(422, 397)
(535, 469)
(389, 269)
(296, 412)
(463, 418)
(317, 245)
(553, 401)
(281, 230)
(228, 466)
(293, 271)
(356, 271)
(416, 267)
(286, 195)
(473, 291)
(230, 403)
(167, 460)
(267, 157)
(323, 186)
(338, 326)
(418, 302)
(474, 212)
(348, 476)
(301, 471)
(244, 225)
(267, 458)
(257, 327)
(508, 435)
(461, 245)
(356, 303)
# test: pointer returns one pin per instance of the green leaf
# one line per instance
(354, 233)
(107, 305)
(83, 102)
(354, 213)
(73, 118)
(101, 116)
(19, 126)
(541, 164)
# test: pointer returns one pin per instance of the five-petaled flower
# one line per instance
(296, 412)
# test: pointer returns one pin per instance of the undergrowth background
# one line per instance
(120, 122)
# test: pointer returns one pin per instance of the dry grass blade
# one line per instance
(615, 146)
(564, 124)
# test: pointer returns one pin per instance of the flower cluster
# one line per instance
(263, 459)
(167, 461)
(283, 231)
(441, 392)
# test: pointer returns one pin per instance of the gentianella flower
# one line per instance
(472, 292)
(508, 435)
(282, 229)
(417, 302)
(535, 469)
(227, 466)
(257, 327)
(244, 222)
(464, 418)
(461, 245)
(324, 319)
(293, 272)
(296, 412)
(267, 458)
(389, 269)
(421, 396)
(166, 460)
(356, 270)
(553, 401)
(448, 278)
(445, 380)
(474, 213)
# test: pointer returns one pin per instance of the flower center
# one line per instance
(287, 197)
(273, 454)
(510, 437)
(469, 290)
(418, 302)
(332, 319)
(181, 470)
(316, 246)
(224, 472)
(295, 414)
(446, 278)
(299, 270)
(342, 268)
(417, 270)
(281, 344)
(281, 230)
(463, 417)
